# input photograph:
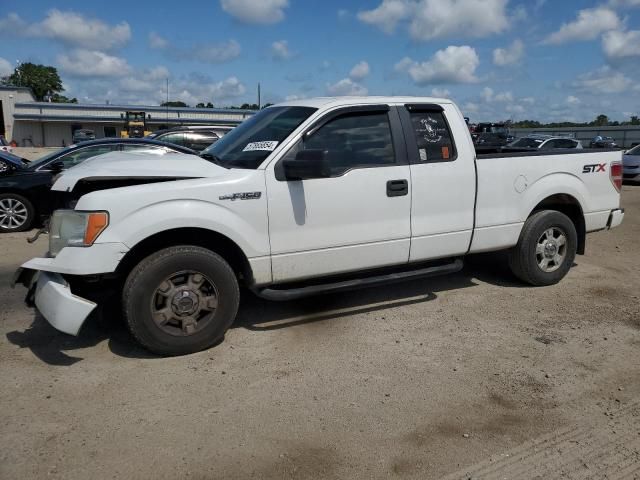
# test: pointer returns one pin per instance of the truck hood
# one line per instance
(143, 166)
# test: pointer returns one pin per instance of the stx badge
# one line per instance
(241, 196)
(596, 167)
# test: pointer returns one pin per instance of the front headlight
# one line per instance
(72, 228)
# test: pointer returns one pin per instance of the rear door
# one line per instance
(358, 218)
(443, 181)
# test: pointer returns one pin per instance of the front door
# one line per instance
(359, 216)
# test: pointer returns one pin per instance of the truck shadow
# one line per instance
(255, 314)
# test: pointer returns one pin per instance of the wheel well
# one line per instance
(208, 239)
(568, 205)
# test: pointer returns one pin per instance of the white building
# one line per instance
(31, 123)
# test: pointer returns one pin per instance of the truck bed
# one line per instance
(511, 185)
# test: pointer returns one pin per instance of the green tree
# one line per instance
(43, 80)
(635, 120)
(601, 121)
(200, 105)
(57, 98)
(174, 103)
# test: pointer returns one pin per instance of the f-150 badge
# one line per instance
(241, 196)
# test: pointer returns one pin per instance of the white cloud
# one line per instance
(625, 3)
(92, 63)
(471, 107)
(440, 92)
(346, 87)
(213, 52)
(429, 19)
(451, 65)
(280, 50)
(6, 68)
(388, 14)
(70, 28)
(487, 94)
(514, 109)
(359, 71)
(571, 100)
(263, 12)
(589, 24)
(293, 97)
(343, 14)
(503, 97)
(510, 55)
(156, 41)
(528, 100)
(604, 80)
(145, 81)
(617, 44)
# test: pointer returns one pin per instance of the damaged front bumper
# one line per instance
(51, 294)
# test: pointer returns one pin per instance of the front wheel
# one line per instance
(180, 300)
(16, 213)
(546, 248)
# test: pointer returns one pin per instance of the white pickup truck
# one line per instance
(308, 197)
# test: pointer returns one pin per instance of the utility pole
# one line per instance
(259, 102)
(167, 104)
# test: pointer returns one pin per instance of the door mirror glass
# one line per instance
(307, 164)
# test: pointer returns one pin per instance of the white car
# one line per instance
(631, 164)
(308, 197)
(545, 142)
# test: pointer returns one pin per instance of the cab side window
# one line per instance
(433, 136)
(354, 140)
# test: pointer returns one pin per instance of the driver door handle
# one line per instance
(397, 188)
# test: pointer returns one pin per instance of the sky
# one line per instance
(568, 60)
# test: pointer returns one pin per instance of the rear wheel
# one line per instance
(16, 213)
(546, 248)
(180, 300)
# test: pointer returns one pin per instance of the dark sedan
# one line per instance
(25, 188)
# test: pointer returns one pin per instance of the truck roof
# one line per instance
(318, 102)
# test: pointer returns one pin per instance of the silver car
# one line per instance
(545, 142)
(631, 165)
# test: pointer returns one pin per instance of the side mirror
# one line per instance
(308, 164)
(56, 167)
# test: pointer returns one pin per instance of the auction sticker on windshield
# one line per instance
(268, 146)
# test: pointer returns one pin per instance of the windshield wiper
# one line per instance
(214, 159)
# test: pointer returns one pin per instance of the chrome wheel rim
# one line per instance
(184, 303)
(4, 167)
(13, 213)
(551, 249)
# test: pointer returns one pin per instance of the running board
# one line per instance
(295, 293)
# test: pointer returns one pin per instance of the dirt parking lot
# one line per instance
(468, 376)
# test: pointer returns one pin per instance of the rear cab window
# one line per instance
(429, 134)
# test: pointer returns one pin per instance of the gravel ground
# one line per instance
(468, 376)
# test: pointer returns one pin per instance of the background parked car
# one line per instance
(194, 137)
(83, 135)
(25, 188)
(603, 142)
(10, 162)
(491, 135)
(4, 145)
(631, 165)
(544, 142)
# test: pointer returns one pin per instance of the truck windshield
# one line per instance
(247, 145)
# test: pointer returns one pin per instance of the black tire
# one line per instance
(525, 260)
(142, 290)
(22, 211)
